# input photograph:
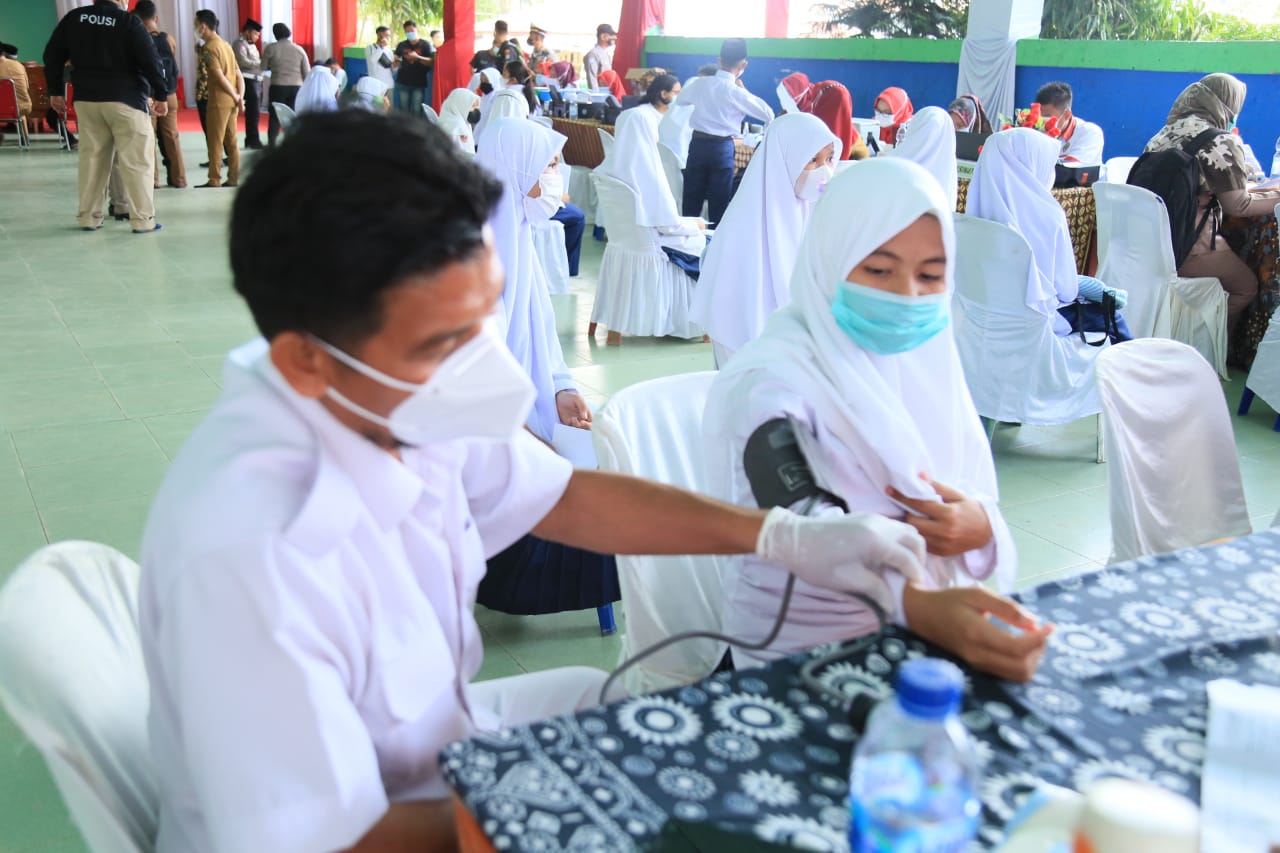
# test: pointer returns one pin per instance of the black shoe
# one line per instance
(205, 164)
(90, 227)
(257, 146)
(147, 230)
(208, 186)
(119, 217)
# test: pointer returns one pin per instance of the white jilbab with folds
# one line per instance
(746, 273)
(635, 162)
(929, 139)
(319, 92)
(517, 151)
(865, 421)
(505, 103)
(1011, 185)
(453, 118)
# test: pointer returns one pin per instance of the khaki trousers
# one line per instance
(220, 133)
(166, 128)
(111, 130)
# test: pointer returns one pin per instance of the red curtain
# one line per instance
(775, 18)
(636, 19)
(249, 9)
(304, 27)
(453, 60)
(344, 26)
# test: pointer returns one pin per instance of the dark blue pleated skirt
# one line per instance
(535, 576)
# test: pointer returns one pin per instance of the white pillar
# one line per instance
(988, 59)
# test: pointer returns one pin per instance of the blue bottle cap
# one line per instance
(929, 688)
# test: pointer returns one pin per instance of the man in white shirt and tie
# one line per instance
(720, 104)
(311, 562)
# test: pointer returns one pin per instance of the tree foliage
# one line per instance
(393, 13)
(937, 19)
(1148, 20)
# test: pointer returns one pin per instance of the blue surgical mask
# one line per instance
(888, 323)
(411, 35)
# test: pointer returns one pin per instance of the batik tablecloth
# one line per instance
(1082, 218)
(1257, 240)
(583, 146)
(1121, 691)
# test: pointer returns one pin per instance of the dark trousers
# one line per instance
(279, 95)
(202, 110)
(575, 225)
(536, 576)
(708, 177)
(252, 108)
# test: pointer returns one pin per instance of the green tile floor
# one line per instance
(110, 347)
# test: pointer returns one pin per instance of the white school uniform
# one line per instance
(929, 138)
(306, 615)
(720, 105)
(1084, 148)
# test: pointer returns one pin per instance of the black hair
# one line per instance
(500, 27)
(9, 49)
(732, 52)
(485, 86)
(708, 70)
(145, 9)
(520, 73)
(1056, 94)
(281, 31)
(331, 61)
(302, 269)
(661, 83)
(208, 18)
(380, 30)
(433, 34)
(407, 24)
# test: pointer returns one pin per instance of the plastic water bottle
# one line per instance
(1275, 161)
(915, 774)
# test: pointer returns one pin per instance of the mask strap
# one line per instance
(360, 367)
(355, 408)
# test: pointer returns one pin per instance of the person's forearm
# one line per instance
(1245, 203)
(615, 514)
(425, 826)
(223, 83)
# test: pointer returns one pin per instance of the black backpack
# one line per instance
(168, 63)
(1174, 175)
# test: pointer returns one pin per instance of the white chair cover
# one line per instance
(1174, 476)
(1135, 254)
(1198, 318)
(654, 430)
(582, 192)
(675, 173)
(431, 114)
(606, 141)
(548, 245)
(544, 121)
(1264, 376)
(73, 679)
(285, 114)
(1018, 370)
(1117, 170)
(641, 292)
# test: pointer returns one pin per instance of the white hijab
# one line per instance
(635, 162)
(1011, 186)
(368, 91)
(517, 151)
(319, 92)
(929, 139)
(746, 272)
(453, 118)
(893, 416)
(505, 103)
(675, 132)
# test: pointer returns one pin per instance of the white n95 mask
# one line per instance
(479, 391)
(550, 201)
(813, 181)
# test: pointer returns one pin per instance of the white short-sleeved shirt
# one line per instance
(306, 609)
(720, 105)
(1084, 148)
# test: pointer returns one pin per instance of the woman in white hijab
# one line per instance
(319, 92)
(519, 153)
(503, 102)
(862, 373)
(929, 139)
(635, 162)
(454, 118)
(371, 95)
(746, 273)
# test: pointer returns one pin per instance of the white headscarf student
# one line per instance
(319, 92)
(518, 152)
(492, 78)
(635, 162)
(371, 95)
(929, 139)
(454, 117)
(869, 377)
(746, 272)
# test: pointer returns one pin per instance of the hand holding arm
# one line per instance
(951, 527)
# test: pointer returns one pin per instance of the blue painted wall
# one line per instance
(1130, 105)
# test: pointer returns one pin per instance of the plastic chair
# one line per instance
(73, 679)
(671, 165)
(545, 122)
(1018, 370)
(285, 114)
(1117, 170)
(606, 142)
(640, 292)
(64, 120)
(431, 114)
(654, 430)
(1174, 476)
(9, 111)
(1133, 230)
(1264, 376)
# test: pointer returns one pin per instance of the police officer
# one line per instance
(116, 72)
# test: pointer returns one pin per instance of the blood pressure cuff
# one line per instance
(777, 471)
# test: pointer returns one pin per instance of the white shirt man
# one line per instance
(1082, 144)
(600, 57)
(380, 57)
(721, 104)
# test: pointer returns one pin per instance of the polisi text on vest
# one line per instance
(100, 20)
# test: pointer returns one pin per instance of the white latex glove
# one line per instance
(845, 553)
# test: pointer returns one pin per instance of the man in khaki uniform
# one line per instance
(117, 71)
(226, 101)
(166, 126)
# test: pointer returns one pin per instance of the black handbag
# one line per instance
(1097, 317)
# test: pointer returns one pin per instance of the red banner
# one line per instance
(636, 19)
(249, 9)
(344, 26)
(453, 60)
(304, 27)
(775, 18)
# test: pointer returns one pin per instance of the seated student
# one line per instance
(829, 101)
(455, 118)
(338, 72)
(1215, 101)
(574, 221)
(1011, 185)
(746, 272)
(968, 115)
(1082, 141)
(371, 95)
(610, 80)
(510, 100)
(518, 78)
(310, 561)
(893, 110)
(635, 162)
(930, 141)
(319, 92)
(856, 390)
